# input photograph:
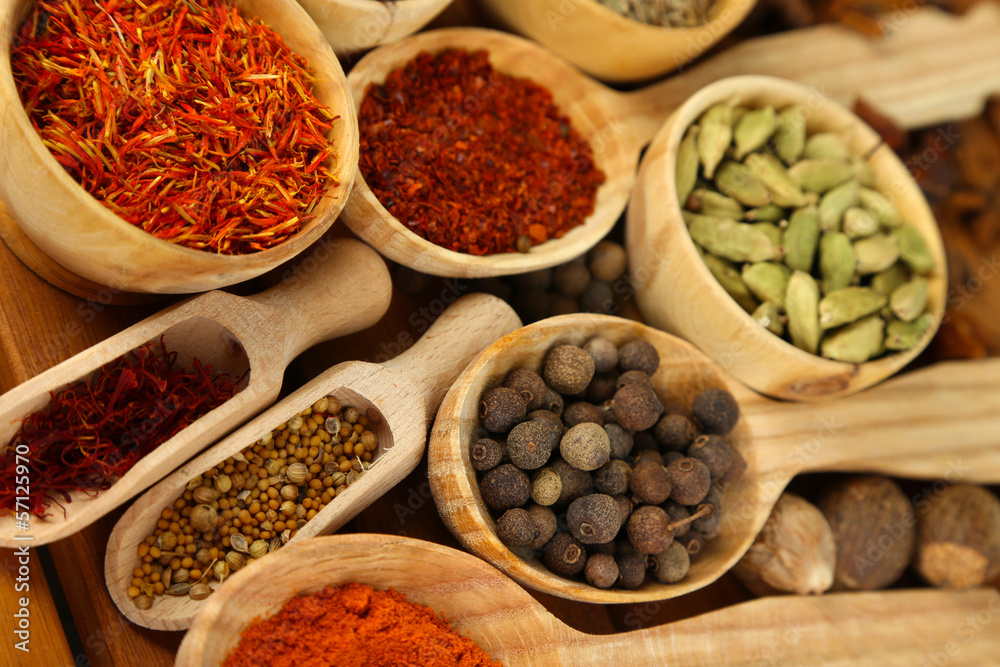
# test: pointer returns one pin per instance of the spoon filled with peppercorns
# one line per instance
(598, 459)
(304, 467)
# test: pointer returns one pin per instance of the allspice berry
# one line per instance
(529, 385)
(647, 455)
(677, 513)
(501, 408)
(593, 519)
(639, 355)
(601, 570)
(689, 481)
(568, 369)
(716, 410)
(631, 566)
(505, 487)
(545, 522)
(612, 478)
(604, 353)
(674, 432)
(564, 555)
(632, 377)
(692, 541)
(571, 279)
(516, 528)
(874, 529)
(958, 537)
(486, 454)
(546, 487)
(648, 530)
(650, 483)
(553, 402)
(602, 387)
(714, 452)
(582, 412)
(530, 444)
(710, 524)
(637, 407)
(549, 417)
(607, 261)
(585, 446)
(575, 482)
(620, 439)
(670, 565)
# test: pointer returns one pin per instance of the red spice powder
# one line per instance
(355, 626)
(474, 160)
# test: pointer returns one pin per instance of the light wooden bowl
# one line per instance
(609, 46)
(907, 427)
(677, 293)
(358, 25)
(88, 239)
(878, 629)
(404, 393)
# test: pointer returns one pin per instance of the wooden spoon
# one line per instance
(677, 293)
(933, 423)
(404, 393)
(260, 334)
(929, 52)
(877, 629)
(357, 25)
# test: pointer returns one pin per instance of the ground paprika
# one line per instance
(355, 626)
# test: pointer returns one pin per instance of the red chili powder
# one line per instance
(474, 160)
(354, 626)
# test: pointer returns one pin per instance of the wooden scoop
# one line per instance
(923, 73)
(940, 422)
(404, 393)
(260, 334)
(873, 629)
(356, 25)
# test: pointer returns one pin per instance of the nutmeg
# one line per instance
(793, 553)
(958, 537)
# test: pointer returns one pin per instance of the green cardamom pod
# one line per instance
(909, 301)
(837, 263)
(687, 165)
(888, 280)
(826, 146)
(905, 335)
(736, 180)
(728, 239)
(768, 316)
(768, 281)
(714, 204)
(855, 343)
(715, 136)
(790, 134)
(773, 231)
(769, 213)
(859, 223)
(864, 173)
(876, 253)
(820, 175)
(913, 249)
(848, 305)
(738, 113)
(802, 239)
(753, 130)
(769, 170)
(835, 203)
(802, 308)
(729, 277)
(880, 208)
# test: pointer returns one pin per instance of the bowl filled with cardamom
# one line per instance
(773, 229)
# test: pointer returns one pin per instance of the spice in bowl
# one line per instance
(474, 160)
(664, 13)
(794, 229)
(186, 119)
(95, 430)
(584, 467)
(254, 502)
(359, 625)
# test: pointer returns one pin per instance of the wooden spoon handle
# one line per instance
(455, 338)
(342, 286)
(931, 423)
(931, 67)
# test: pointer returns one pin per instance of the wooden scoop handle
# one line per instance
(467, 327)
(931, 67)
(939, 422)
(342, 286)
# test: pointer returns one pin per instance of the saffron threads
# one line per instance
(190, 122)
(474, 160)
(94, 431)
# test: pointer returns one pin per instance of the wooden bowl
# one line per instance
(905, 427)
(592, 110)
(81, 234)
(358, 25)
(677, 293)
(609, 46)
